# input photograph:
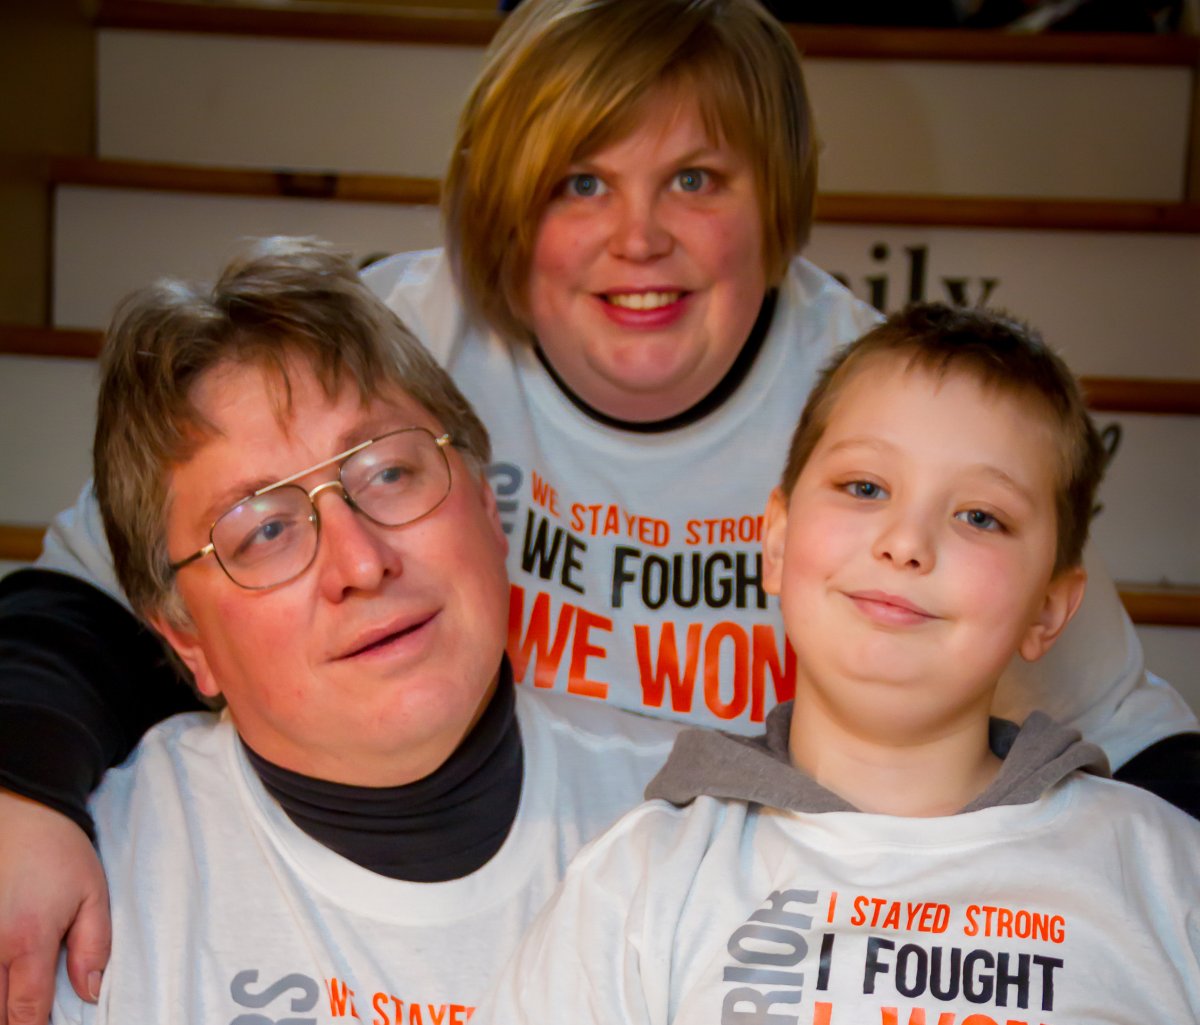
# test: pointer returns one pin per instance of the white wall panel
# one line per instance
(108, 242)
(1173, 652)
(1148, 529)
(299, 104)
(47, 415)
(1120, 305)
(948, 128)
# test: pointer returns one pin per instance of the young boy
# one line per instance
(886, 853)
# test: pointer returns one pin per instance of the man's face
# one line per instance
(915, 554)
(371, 666)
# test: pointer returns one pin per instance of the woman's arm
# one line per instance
(80, 680)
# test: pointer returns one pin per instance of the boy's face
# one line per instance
(915, 554)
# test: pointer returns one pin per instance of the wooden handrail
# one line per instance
(1104, 394)
(1142, 395)
(22, 340)
(1146, 605)
(290, 19)
(1161, 606)
(306, 19)
(137, 174)
(20, 544)
(831, 207)
(985, 212)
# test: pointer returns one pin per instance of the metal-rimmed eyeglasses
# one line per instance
(271, 536)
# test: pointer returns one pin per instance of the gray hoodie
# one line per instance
(709, 763)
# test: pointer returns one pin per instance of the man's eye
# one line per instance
(979, 519)
(393, 475)
(864, 489)
(267, 535)
(584, 186)
(693, 179)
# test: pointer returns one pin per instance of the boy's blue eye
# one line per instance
(585, 186)
(980, 519)
(692, 180)
(865, 489)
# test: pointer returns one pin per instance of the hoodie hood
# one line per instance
(706, 763)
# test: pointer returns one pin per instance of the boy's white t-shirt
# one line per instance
(1083, 907)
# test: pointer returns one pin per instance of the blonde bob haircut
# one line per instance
(281, 299)
(564, 78)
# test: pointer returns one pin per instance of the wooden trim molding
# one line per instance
(22, 340)
(1142, 395)
(310, 19)
(1029, 214)
(20, 544)
(1104, 394)
(303, 19)
(1161, 606)
(831, 207)
(137, 174)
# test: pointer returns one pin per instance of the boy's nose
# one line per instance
(905, 542)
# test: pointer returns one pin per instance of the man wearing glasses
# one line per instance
(292, 491)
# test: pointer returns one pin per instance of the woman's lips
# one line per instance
(645, 308)
(889, 609)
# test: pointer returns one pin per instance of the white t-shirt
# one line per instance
(1083, 907)
(226, 913)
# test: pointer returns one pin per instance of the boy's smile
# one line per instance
(916, 551)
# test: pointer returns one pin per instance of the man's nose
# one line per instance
(355, 554)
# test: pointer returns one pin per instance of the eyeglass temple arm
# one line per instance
(177, 566)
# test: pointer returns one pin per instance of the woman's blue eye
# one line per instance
(864, 489)
(585, 185)
(692, 180)
(980, 519)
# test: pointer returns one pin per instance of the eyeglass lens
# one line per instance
(269, 538)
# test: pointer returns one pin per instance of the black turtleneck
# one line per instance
(728, 384)
(442, 827)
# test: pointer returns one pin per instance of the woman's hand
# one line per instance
(51, 887)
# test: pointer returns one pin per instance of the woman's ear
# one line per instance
(774, 535)
(1064, 594)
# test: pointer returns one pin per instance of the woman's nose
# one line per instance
(639, 233)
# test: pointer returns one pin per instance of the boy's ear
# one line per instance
(1063, 596)
(187, 647)
(774, 535)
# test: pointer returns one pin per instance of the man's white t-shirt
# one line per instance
(226, 913)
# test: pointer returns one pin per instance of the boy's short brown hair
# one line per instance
(1002, 354)
(281, 298)
(563, 78)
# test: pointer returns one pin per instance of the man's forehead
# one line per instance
(312, 422)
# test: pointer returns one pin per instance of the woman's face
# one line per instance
(647, 270)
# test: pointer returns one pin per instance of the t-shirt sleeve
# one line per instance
(81, 679)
